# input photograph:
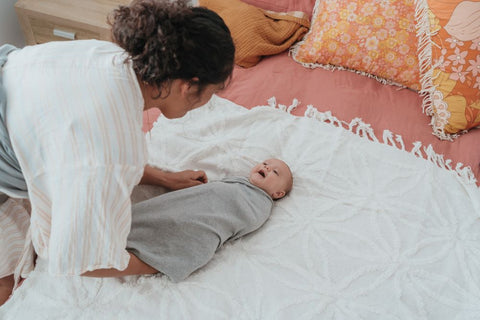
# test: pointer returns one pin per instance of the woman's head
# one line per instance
(169, 40)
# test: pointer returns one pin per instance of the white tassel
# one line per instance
(294, 104)
(389, 140)
(429, 152)
(388, 137)
(448, 164)
(399, 139)
(310, 112)
(326, 117)
(362, 129)
(272, 102)
(466, 173)
(416, 149)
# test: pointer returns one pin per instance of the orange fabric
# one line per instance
(258, 32)
(455, 28)
(377, 38)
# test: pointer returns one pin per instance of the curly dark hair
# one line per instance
(168, 40)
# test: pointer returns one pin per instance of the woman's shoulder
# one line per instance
(68, 46)
(72, 52)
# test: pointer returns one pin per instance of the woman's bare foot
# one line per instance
(6, 287)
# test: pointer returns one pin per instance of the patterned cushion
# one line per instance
(452, 76)
(375, 38)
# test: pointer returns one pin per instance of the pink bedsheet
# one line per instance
(347, 95)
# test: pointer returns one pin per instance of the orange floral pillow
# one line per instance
(375, 38)
(452, 79)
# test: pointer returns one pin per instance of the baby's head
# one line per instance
(272, 176)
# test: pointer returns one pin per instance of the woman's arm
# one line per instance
(173, 180)
(135, 267)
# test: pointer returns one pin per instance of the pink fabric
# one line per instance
(347, 95)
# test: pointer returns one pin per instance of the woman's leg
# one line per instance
(6, 287)
(135, 267)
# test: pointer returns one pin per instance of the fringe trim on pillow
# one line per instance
(362, 129)
(426, 67)
(293, 51)
(424, 55)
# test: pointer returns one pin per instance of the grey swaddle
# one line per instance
(179, 232)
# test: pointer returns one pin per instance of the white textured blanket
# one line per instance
(369, 231)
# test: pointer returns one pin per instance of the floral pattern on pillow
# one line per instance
(375, 38)
(453, 82)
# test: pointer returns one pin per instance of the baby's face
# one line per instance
(272, 176)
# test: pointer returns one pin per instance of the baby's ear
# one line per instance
(278, 195)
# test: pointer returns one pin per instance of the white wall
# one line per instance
(10, 31)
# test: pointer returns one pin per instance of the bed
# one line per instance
(383, 221)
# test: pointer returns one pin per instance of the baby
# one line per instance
(178, 232)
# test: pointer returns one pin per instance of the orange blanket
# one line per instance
(257, 32)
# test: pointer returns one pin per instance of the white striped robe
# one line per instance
(74, 115)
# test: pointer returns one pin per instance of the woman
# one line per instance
(73, 123)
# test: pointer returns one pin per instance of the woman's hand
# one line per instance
(173, 180)
(184, 179)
